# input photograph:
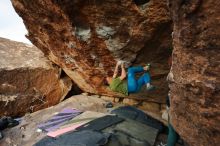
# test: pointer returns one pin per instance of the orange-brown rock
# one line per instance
(85, 38)
(195, 96)
(29, 81)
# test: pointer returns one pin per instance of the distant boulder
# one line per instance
(28, 80)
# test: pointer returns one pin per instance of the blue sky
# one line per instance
(11, 25)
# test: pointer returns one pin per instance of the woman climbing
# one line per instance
(133, 85)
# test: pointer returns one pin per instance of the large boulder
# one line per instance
(86, 37)
(195, 73)
(29, 81)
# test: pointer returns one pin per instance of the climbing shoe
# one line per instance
(147, 67)
(109, 105)
(150, 88)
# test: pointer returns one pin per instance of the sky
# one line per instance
(11, 25)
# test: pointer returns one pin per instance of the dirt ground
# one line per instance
(26, 134)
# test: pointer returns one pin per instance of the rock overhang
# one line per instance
(86, 38)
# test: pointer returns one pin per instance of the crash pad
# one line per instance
(80, 138)
(131, 130)
(130, 112)
(101, 123)
(59, 119)
(74, 123)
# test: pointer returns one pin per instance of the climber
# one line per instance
(133, 85)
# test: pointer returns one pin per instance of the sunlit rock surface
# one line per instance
(29, 81)
(195, 73)
(86, 37)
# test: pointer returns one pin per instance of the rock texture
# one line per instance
(29, 81)
(85, 38)
(195, 78)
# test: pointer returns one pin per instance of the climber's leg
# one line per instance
(132, 82)
(143, 80)
(172, 136)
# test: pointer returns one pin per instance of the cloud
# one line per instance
(11, 25)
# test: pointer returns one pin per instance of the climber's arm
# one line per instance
(123, 72)
(116, 71)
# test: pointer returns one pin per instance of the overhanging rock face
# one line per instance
(29, 81)
(86, 37)
(195, 96)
